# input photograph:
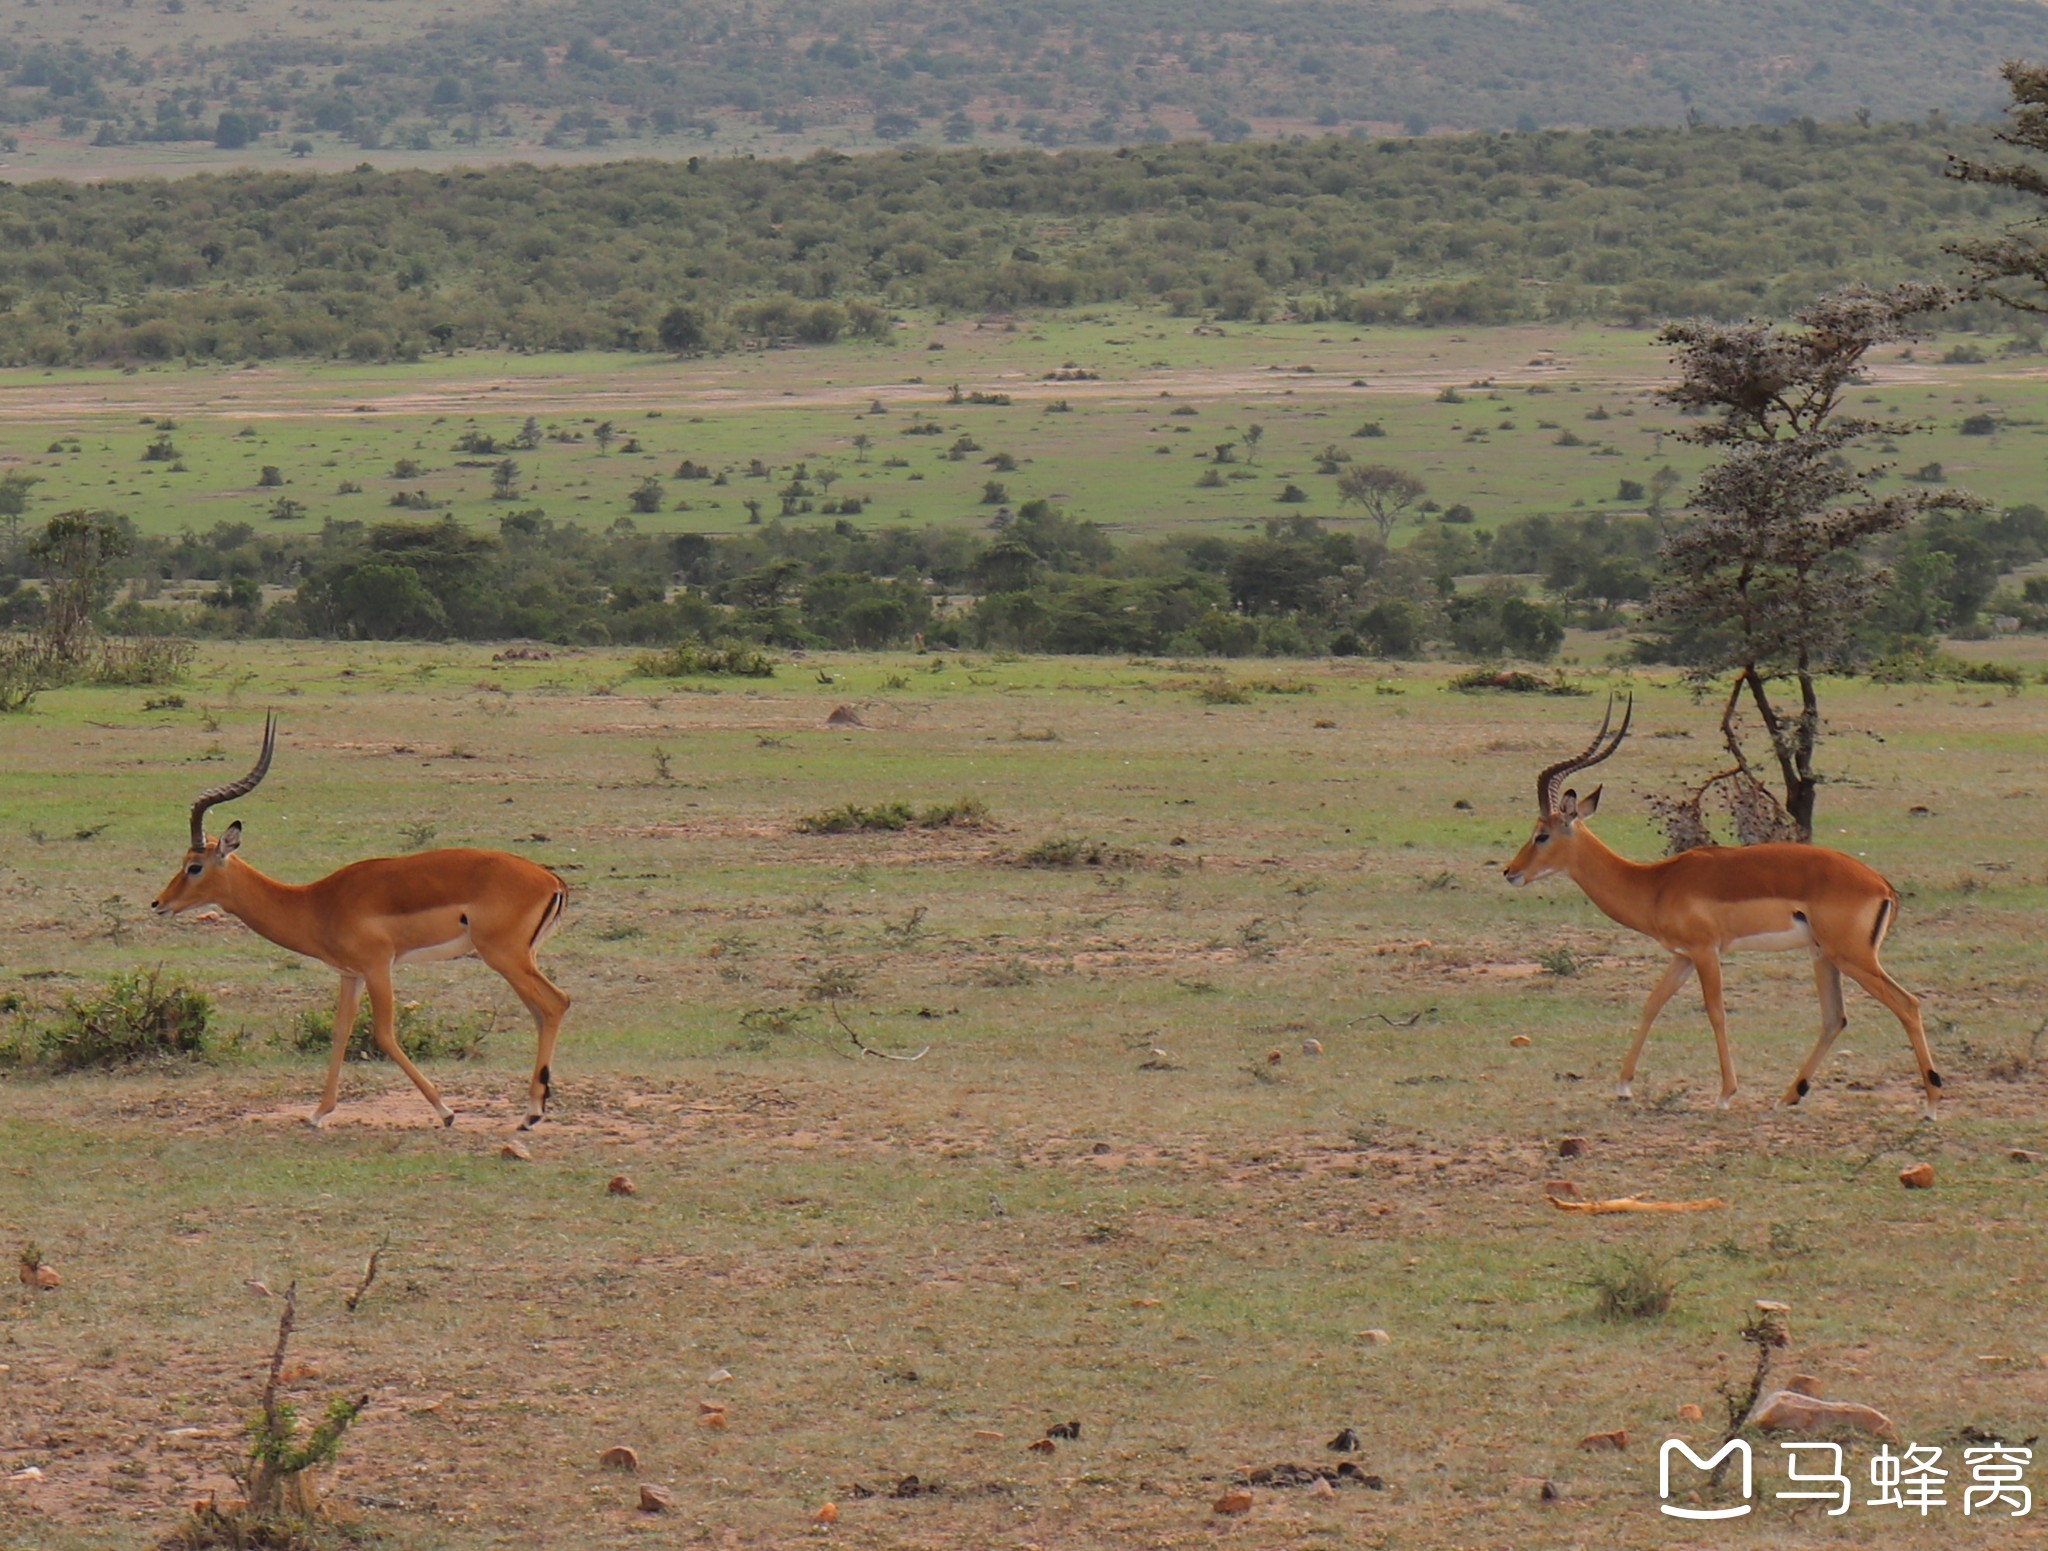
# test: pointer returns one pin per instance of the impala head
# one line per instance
(1559, 813)
(196, 881)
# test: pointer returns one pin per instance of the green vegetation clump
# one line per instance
(963, 813)
(1924, 663)
(691, 659)
(141, 661)
(1516, 681)
(137, 1016)
(1072, 851)
(1634, 1284)
(422, 1033)
(852, 818)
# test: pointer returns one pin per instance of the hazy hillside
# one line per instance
(480, 79)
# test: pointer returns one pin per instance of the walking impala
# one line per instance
(372, 916)
(1703, 903)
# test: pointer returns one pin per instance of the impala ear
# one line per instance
(1568, 807)
(232, 840)
(1590, 803)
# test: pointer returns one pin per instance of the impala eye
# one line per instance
(195, 869)
(1543, 839)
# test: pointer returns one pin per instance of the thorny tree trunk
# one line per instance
(1792, 741)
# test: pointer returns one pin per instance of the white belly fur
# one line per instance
(453, 949)
(1800, 936)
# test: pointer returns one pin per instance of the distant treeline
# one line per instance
(1625, 225)
(1040, 582)
(1056, 71)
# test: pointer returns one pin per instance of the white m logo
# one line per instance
(1736, 1446)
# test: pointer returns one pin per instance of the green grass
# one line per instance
(324, 425)
(999, 1217)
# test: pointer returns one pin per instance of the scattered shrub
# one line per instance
(136, 1017)
(851, 818)
(687, 659)
(1634, 1284)
(140, 662)
(423, 1034)
(1930, 665)
(1516, 681)
(28, 666)
(965, 813)
(1069, 851)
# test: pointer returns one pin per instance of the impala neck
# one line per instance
(1617, 885)
(278, 911)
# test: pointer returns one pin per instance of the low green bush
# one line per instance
(852, 818)
(423, 1034)
(137, 1016)
(695, 659)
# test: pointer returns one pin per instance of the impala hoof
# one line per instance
(448, 1120)
(530, 1122)
(1725, 1101)
(317, 1121)
(1622, 1095)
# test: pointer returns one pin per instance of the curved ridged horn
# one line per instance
(1548, 782)
(234, 789)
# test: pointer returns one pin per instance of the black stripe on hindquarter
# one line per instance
(547, 919)
(1884, 911)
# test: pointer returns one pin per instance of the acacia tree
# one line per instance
(1767, 583)
(77, 551)
(1385, 493)
(2013, 266)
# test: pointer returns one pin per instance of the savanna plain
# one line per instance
(1216, 988)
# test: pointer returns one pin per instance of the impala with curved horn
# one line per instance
(1701, 904)
(372, 916)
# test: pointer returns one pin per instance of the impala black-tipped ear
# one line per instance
(232, 839)
(1590, 803)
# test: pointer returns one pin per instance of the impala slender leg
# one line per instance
(1834, 1018)
(345, 1005)
(1675, 974)
(1906, 1008)
(548, 1003)
(383, 1025)
(1709, 967)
